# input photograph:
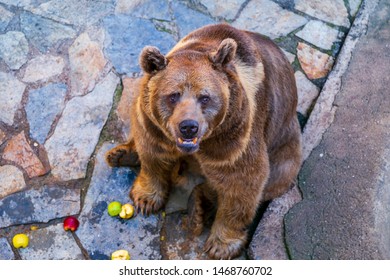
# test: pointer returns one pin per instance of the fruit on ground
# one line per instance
(114, 208)
(120, 255)
(127, 211)
(71, 223)
(20, 241)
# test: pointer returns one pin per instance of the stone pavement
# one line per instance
(68, 69)
(345, 211)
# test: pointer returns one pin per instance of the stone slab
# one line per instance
(178, 243)
(43, 106)
(354, 6)
(187, 19)
(12, 180)
(290, 56)
(43, 67)
(6, 252)
(130, 90)
(223, 9)
(11, 93)
(39, 205)
(19, 152)
(316, 64)
(70, 12)
(77, 133)
(101, 234)
(147, 9)
(51, 243)
(268, 18)
(319, 34)
(2, 137)
(125, 40)
(5, 18)
(14, 49)
(44, 33)
(333, 11)
(87, 62)
(345, 209)
(307, 93)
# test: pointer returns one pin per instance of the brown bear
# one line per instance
(224, 100)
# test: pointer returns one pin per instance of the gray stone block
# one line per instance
(101, 234)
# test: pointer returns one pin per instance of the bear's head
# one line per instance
(187, 93)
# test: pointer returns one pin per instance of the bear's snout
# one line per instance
(189, 128)
(188, 141)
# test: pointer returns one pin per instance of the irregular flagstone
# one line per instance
(77, 132)
(354, 6)
(43, 67)
(6, 252)
(11, 93)
(44, 33)
(138, 235)
(307, 93)
(178, 242)
(333, 11)
(42, 107)
(12, 180)
(39, 205)
(14, 49)
(315, 63)
(18, 151)
(268, 18)
(130, 89)
(5, 18)
(125, 6)
(187, 20)
(19, 3)
(2, 137)
(86, 64)
(290, 56)
(125, 40)
(51, 243)
(268, 241)
(221, 8)
(148, 9)
(319, 34)
(80, 13)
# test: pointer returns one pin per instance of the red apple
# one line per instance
(71, 223)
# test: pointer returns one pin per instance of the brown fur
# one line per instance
(239, 87)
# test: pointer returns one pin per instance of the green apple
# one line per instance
(114, 208)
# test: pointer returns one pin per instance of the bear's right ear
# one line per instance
(151, 60)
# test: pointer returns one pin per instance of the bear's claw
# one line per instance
(219, 250)
(144, 201)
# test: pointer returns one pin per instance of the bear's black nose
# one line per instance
(188, 128)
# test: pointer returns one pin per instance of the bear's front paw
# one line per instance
(223, 249)
(146, 200)
(114, 156)
(122, 155)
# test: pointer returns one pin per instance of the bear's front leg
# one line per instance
(151, 187)
(236, 210)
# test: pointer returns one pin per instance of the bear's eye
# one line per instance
(204, 99)
(174, 97)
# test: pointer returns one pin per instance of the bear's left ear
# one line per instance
(225, 53)
(151, 60)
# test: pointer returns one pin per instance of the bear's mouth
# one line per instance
(188, 146)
